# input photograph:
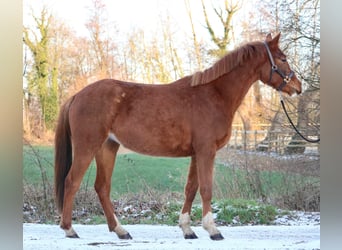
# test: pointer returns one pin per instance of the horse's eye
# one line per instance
(283, 59)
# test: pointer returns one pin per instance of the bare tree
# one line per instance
(225, 16)
(298, 20)
(152, 58)
(196, 44)
(305, 20)
(101, 45)
(249, 108)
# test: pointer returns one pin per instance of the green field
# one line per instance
(132, 173)
(236, 191)
(135, 173)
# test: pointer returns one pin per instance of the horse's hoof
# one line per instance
(216, 237)
(73, 236)
(126, 236)
(190, 236)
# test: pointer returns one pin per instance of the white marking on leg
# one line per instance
(113, 138)
(184, 223)
(119, 230)
(70, 232)
(209, 224)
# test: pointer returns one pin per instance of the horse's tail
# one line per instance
(63, 153)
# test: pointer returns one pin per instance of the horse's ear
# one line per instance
(268, 37)
(276, 38)
(274, 42)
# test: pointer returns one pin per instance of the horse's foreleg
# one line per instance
(105, 159)
(190, 193)
(71, 186)
(205, 168)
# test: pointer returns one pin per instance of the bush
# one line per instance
(244, 212)
(305, 198)
(288, 182)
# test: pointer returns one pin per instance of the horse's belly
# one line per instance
(153, 145)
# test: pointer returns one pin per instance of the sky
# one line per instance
(125, 15)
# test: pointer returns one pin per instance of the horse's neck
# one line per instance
(235, 85)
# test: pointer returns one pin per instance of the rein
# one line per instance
(294, 127)
(286, 80)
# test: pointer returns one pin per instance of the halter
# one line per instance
(274, 68)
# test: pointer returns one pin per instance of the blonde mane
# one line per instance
(227, 63)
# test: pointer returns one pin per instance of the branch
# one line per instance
(209, 28)
(196, 44)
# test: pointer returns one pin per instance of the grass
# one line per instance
(134, 173)
(31, 166)
(242, 212)
(228, 212)
(154, 186)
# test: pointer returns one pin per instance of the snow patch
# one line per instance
(42, 236)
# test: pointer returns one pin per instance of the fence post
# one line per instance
(245, 140)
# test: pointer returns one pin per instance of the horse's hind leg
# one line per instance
(72, 183)
(105, 159)
(190, 193)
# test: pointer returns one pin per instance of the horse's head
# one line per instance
(277, 72)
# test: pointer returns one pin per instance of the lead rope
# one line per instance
(288, 117)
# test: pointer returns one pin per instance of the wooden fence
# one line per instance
(272, 141)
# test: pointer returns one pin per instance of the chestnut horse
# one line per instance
(189, 117)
